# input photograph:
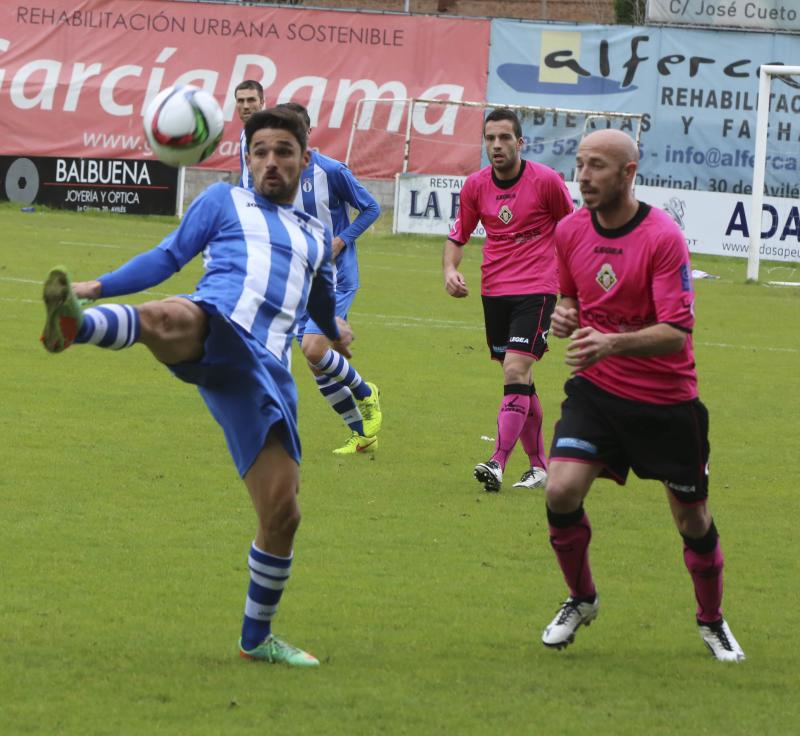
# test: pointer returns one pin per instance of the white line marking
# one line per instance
(20, 281)
(422, 320)
(748, 347)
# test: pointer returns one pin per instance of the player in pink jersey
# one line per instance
(519, 203)
(627, 307)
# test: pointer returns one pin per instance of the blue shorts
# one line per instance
(343, 301)
(246, 388)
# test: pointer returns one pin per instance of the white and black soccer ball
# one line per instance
(183, 125)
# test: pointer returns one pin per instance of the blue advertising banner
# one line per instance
(697, 88)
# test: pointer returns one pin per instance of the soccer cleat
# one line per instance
(572, 614)
(533, 478)
(490, 474)
(357, 444)
(277, 651)
(370, 409)
(64, 314)
(720, 641)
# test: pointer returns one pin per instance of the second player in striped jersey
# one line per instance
(249, 96)
(327, 190)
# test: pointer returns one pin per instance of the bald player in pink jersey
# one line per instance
(519, 203)
(628, 308)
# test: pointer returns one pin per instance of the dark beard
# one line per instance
(281, 195)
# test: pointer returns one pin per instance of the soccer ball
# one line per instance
(183, 125)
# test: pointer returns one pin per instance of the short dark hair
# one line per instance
(250, 84)
(279, 118)
(504, 113)
(297, 109)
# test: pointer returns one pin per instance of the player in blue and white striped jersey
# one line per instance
(249, 96)
(265, 263)
(327, 190)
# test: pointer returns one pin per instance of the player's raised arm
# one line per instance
(157, 264)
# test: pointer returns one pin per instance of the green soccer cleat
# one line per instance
(357, 444)
(277, 651)
(64, 314)
(370, 409)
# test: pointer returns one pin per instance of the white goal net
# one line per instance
(445, 137)
(774, 229)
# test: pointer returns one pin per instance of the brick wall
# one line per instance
(583, 11)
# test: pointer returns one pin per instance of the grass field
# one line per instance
(124, 530)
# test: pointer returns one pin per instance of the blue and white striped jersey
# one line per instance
(260, 260)
(326, 189)
(244, 179)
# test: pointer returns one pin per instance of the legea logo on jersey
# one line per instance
(560, 70)
(606, 276)
(307, 185)
(505, 214)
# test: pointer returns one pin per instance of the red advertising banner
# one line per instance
(76, 76)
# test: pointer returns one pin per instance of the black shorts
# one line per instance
(666, 442)
(518, 324)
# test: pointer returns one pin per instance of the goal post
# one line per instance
(445, 137)
(767, 74)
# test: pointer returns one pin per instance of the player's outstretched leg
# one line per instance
(574, 613)
(64, 314)
(277, 651)
(112, 326)
(720, 641)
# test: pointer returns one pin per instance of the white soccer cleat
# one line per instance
(572, 614)
(533, 478)
(490, 474)
(721, 642)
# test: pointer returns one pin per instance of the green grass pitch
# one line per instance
(124, 529)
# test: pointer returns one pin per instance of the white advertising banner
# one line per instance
(767, 15)
(712, 223)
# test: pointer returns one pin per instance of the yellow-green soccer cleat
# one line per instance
(357, 444)
(277, 651)
(370, 409)
(64, 314)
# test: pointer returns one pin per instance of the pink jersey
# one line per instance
(626, 279)
(520, 218)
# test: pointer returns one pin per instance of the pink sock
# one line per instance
(532, 437)
(706, 572)
(510, 420)
(571, 545)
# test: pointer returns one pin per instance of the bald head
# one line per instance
(613, 144)
(606, 169)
